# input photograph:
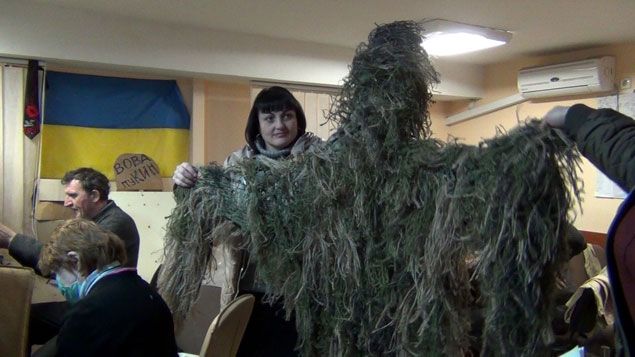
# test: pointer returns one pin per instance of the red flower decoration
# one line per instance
(32, 111)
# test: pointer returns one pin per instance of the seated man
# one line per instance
(114, 312)
(86, 192)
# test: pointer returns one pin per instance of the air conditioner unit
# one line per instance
(573, 78)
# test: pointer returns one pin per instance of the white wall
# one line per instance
(71, 36)
(149, 211)
(458, 80)
(56, 33)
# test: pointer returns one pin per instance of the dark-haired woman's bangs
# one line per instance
(280, 105)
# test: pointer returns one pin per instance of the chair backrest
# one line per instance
(16, 289)
(226, 331)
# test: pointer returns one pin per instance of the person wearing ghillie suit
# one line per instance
(366, 238)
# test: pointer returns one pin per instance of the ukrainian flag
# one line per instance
(90, 120)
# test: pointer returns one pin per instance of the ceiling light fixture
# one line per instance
(447, 38)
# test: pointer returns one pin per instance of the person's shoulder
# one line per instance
(581, 116)
(109, 210)
(114, 300)
(90, 307)
(129, 292)
(118, 289)
(245, 152)
(112, 213)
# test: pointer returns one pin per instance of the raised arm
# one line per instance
(604, 136)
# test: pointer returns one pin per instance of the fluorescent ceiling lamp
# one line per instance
(447, 38)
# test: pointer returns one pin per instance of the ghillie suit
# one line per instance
(368, 237)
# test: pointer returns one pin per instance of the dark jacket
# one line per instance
(121, 316)
(620, 259)
(607, 139)
(26, 250)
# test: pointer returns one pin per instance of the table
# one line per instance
(44, 290)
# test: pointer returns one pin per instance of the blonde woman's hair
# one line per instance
(96, 247)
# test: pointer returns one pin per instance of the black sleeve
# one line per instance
(26, 250)
(607, 138)
(86, 332)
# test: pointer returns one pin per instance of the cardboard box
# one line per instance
(52, 211)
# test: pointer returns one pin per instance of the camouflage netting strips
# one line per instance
(369, 236)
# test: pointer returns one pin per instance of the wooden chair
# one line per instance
(226, 331)
(16, 290)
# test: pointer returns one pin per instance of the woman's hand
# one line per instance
(185, 175)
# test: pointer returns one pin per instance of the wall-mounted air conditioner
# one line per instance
(573, 78)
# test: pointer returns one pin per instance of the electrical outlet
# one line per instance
(625, 83)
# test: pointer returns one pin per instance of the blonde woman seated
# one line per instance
(113, 311)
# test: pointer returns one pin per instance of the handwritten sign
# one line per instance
(134, 172)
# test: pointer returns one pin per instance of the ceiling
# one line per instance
(538, 26)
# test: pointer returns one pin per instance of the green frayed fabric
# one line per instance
(375, 238)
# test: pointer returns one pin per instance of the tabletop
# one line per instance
(44, 290)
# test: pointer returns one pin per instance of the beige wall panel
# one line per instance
(227, 107)
(311, 112)
(253, 92)
(323, 106)
(198, 124)
(437, 112)
(149, 211)
(13, 173)
(299, 95)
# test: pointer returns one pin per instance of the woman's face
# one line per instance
(278, 129)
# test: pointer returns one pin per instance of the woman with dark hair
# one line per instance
(269, 101)
(276, 129)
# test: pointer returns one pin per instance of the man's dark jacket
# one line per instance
(607, 138)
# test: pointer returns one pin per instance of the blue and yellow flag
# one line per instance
(90, 120)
